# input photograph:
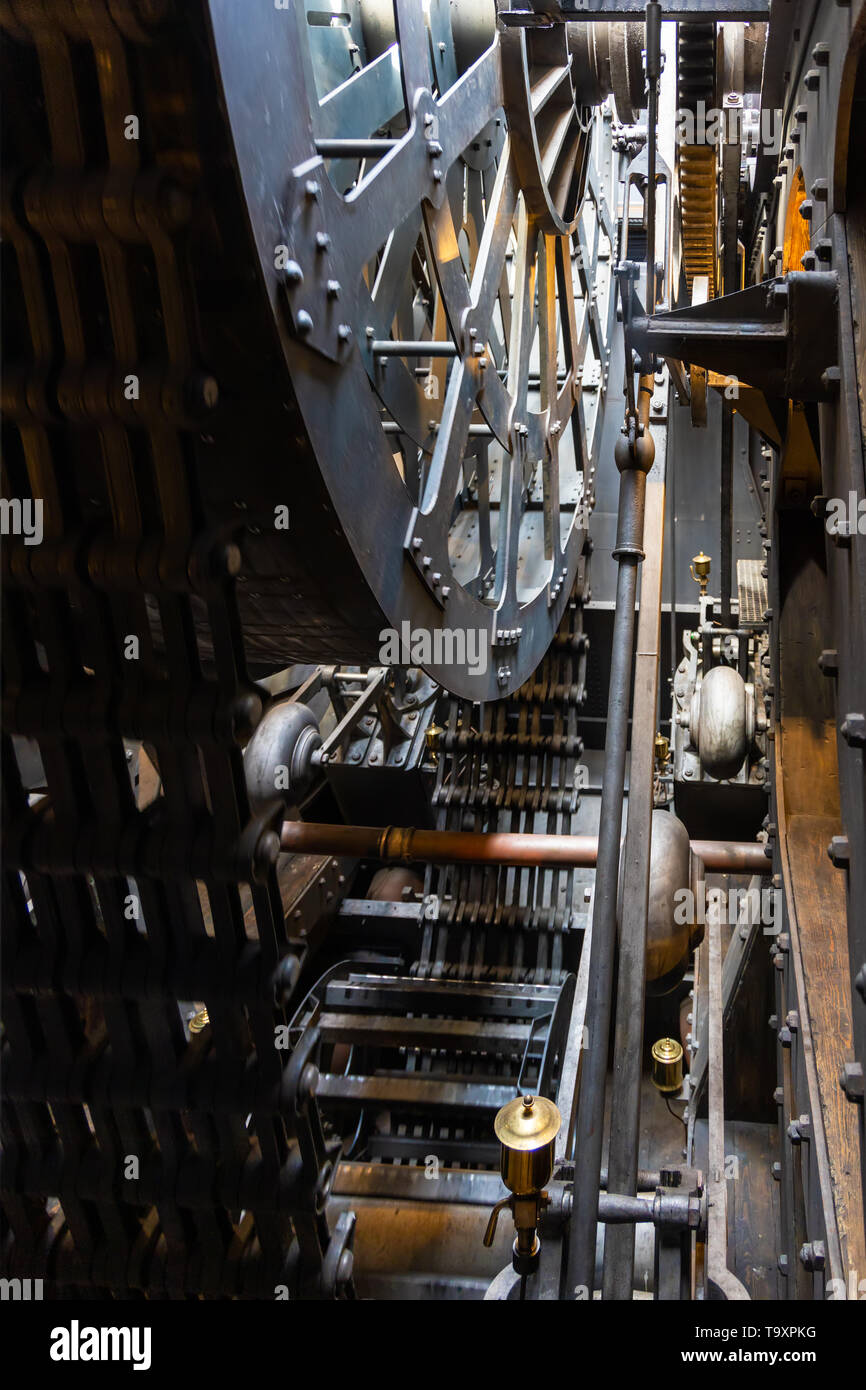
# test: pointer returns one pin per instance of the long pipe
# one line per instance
(403, 845)
(628, 553)
(626, 1065)
(589, 1124)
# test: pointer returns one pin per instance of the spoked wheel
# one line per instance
(426, 188)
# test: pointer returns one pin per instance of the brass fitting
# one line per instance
(700, 570)
(667, 1070)
(432, 737)
(526, 1129)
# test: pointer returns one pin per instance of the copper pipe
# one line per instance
(398, 845)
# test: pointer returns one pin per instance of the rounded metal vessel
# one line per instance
(668, 930)
(718, 721)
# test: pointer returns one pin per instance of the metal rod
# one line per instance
(653, 72)
(730, 194)
(405, 845)
(727, 509)
(620, 1209)
(388, 347)
(475, 431)
(618, 1277)
(722, 1283)
(589, 1130)
(354, 149)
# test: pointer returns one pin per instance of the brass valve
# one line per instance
(662, 750)
(526, 1129)
(700, 570)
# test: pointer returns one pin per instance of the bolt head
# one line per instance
(852, 1081)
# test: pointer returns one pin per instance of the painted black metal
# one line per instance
(780, 336)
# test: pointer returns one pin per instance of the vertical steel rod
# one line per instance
(727, 512)
(589, 1131)
(618, 1279)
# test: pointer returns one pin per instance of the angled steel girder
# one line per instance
(780, 336)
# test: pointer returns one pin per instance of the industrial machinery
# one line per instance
(434, 649)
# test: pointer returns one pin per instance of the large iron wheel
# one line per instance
(427, 191)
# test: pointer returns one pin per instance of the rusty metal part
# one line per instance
(405, 845)
(697, 161)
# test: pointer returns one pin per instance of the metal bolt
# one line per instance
(828, 662)
(779, 292)
(831, 380)
(812, 1255)
(323, 241)
(852, 1081)
(311, 188)
(304, 323)
(293, 274)
(854, 730)
(839, 851)
(333, 289)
